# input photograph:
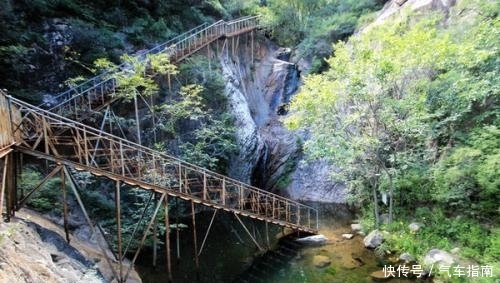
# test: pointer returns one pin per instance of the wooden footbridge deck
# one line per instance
(49, 136)
(69, 145)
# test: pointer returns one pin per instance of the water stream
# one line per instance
(229, 255)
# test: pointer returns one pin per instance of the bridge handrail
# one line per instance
(217, 29)
(99, 78)
(155, 156)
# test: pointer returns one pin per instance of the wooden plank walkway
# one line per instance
(66, 142)
(50, 136)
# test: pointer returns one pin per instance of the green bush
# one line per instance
(48, 197)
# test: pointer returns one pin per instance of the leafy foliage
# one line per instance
(35, 60)
(47, 198)
(197, 118)
(313, 25)
(409, 110)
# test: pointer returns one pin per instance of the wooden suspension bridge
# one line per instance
(67, 145)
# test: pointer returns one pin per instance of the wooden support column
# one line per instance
(89, 222)
(177, 232)
(248, 232)
(167, 241)
(11, 186)
(195, 241)
(155, 241)
(146, 232)
(4, 179)
(65, 205)
(119, 229)
(19, 169)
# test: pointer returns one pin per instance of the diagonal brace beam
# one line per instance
(248, 232)
(40, 185)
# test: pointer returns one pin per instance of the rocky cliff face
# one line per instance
(258, 87)
(394, 8)
(33, 249)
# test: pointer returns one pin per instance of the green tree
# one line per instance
(410, 110)
(369, 107)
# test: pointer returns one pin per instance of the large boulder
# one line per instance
(313, 240)
(356, 227)
(406, 257)
(438, 257)
(374, 239)
(312, 181)
(415, 226)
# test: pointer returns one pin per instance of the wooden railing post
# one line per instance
(118, 159)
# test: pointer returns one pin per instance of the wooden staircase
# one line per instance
(96, 93)
(47, 135)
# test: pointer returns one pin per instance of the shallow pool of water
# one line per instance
(229, 255)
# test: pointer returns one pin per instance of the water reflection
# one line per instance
(229, 254)
(342, 260)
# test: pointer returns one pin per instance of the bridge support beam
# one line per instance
(146, 232)
(39, 186)
(89, 221)
(249, 234)
(195, 239)
(167, 240)
(119, 228)
(64, 203)
(4, 180)
(10, 176)
(208, 231)
(155, 241)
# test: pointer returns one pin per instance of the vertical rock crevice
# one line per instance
(257, 92)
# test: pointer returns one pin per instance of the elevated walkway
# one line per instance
(96, 93)
(57, 135)
(49, 136)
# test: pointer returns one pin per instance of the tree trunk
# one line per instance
(375, 205)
